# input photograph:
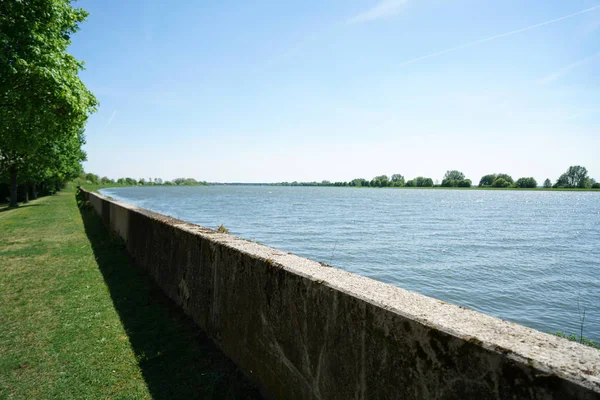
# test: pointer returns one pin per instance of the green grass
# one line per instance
(77, 320)
(95, 188)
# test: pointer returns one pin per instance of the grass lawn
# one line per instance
(77, 320)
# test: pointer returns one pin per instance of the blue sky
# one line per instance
(279, 91)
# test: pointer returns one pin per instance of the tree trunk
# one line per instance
(33, 191)
(26, 187)
(13, 187)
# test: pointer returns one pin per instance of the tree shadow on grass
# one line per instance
(4, 207)
(177, 359)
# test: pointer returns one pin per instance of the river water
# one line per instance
(531, 257)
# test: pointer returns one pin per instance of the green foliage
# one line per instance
(464, 183)
(501, 183)
(187, 182)
(420, 182)
(398, 180)
(43, 104)
(454, 175)
(92, 178)
(578, 339)
(506, 177)
(488, 180)
(359, 182)
(454, 178)
(575, 177)
(82, 202)
(526, 183)
(380, 181)
(547, 183)
(456, 183)
(424, 182)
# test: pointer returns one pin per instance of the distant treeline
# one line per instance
(575, 177)
(96, 180)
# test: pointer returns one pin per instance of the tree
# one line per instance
(92, 178)
(398, 180)
(523, 183)
(506, 177)
(380, 181)
(423, 182)
(547, 183)
(455, 178)
(420, 181)
(454, 175)
(488, 180)
(42, 100)
(427, 182)
(358, 182)
(501, 183)
(575, 177)
(54, 163)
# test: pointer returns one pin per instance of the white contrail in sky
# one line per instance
(111, 118)
(385, 8)
(462, 46)
(564, 70)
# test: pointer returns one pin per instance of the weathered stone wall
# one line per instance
(303, 330)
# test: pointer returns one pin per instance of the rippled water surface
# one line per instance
(529, 257)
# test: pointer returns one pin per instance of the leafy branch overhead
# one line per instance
(44, 105)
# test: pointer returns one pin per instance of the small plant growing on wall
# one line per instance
(579, 339)
(222, 229)
(82, 202)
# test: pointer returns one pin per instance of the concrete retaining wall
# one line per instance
(303, 330)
